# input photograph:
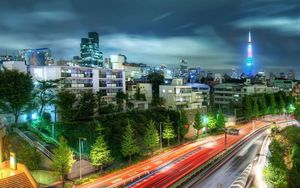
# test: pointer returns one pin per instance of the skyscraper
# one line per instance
(89, 51)
(249, 62)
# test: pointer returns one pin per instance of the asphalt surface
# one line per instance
(227, 173)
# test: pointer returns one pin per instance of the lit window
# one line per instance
(164, 90)
(170, 90)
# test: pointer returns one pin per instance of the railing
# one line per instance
(37, 145)
(241, 181)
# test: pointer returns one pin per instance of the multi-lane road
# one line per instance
(163, 170)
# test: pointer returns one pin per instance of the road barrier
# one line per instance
(241, 181)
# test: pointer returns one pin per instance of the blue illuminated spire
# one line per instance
(249, 61)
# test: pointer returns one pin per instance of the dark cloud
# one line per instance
(211, 34)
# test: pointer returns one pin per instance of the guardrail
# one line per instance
(37, 145)
(241, 181)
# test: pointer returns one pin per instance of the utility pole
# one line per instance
(160, 133)
(178, 135)
(225, 138)
(80, 151)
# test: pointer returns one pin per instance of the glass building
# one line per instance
(89, 51)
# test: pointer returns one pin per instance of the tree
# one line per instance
(183, 123)
(168, 132)
(15, 91)
(100, 154)
(297, 111)
(155, 79)
(281, 104)
(29, 156)
(63, 159)
(66, 104)
(45, 93)
(100, 102)
(129, 145)
(120, 97)
(272, 104)
(211, 122)
(247, 108)
(255, 108)
(198, 124)
(220, 120)
(263, 105)
(86, 106)
(151, 138)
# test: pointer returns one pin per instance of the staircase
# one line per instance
(19, 180)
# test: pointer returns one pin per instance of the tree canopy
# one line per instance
(16, 91)
(129, 142)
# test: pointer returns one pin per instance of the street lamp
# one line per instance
(80, 143)
(160, 135)
(253, 125)
(225, 131)
(205, 121)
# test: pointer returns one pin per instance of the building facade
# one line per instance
(179, 96)
(84, 79)
(89, 51)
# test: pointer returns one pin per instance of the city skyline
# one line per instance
(204, 34)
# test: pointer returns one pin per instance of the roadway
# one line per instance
(161, 170)
(232, 169)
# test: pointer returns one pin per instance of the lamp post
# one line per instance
(225, 138)
(80, 142)
(52, 126)
(253, 124)
(160, 135)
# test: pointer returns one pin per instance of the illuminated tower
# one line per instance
(249, 62)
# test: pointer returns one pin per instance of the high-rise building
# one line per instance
(249, 62)
(89, 51)
(183, 68)
(36, 57)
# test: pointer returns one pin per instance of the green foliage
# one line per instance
(276, 172)
(63, 159)
(281, 104)
(272, 104)
(168, 131)
(198, 124)
(255, 108)
(247, 108)
(45, 93)
(100, 154)
(183, 123)
(120, 97)
(151, 138)
(263, 105)
(85, 108)
(211, 122)
(155, 79)
(129, 142)
(29, 156)
(16, 91)
(220, 120)
(297, 111)
(66, 102)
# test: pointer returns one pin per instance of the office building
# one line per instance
(89, 51)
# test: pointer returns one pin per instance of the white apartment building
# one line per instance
(228, 93)
(204, 89)
(179, 96)
(15, 65)
(80, 79)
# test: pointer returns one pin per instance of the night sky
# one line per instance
(208, 33)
